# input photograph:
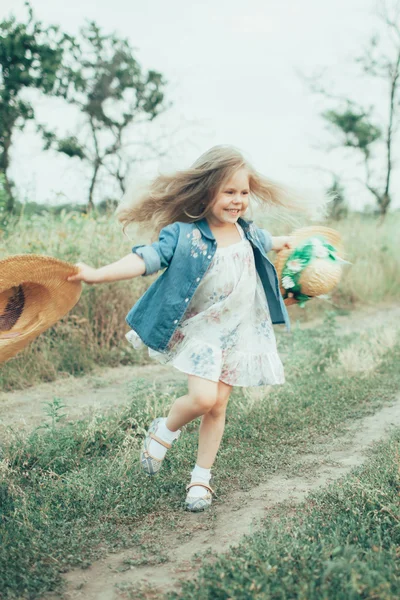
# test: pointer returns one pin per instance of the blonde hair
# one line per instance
(188, 195)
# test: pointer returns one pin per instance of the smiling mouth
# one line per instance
(233, 211)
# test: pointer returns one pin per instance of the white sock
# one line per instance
(199, 475)
(158, 450)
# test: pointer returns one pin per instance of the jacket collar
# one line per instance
(206, 231)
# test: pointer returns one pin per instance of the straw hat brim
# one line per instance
(320, 276)
(34, 295)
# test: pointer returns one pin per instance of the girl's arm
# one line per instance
(144, 260)
(276, 243)
(127, 267)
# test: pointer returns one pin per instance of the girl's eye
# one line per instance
(228, 192)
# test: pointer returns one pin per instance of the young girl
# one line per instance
(210, 313)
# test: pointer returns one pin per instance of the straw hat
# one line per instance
(321, 274)
(34, 294)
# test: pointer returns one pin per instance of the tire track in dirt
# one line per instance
(239, 515)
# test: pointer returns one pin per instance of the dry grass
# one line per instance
(364, 355)
(372, 247)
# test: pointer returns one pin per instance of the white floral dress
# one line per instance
(226, 333)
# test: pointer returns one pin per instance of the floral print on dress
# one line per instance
(177, 338)
(202, 359)
(214, 316)
(226, 334)
(221, 294)
(264, 329)
(192, 312)
(229, 338)
(227, 375)
(246, 261)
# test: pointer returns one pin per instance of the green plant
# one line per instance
(53, 410)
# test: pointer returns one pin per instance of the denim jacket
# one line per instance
(186, 250)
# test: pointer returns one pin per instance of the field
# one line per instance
(72, 490)
(92, 335)
(308, 472)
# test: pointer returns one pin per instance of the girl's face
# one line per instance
(232, 200)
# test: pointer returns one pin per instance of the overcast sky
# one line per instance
(232, 68)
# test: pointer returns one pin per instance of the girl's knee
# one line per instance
(205, 401)
(218, 409)
(220, 405)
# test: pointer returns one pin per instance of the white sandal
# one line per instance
(150, 464)
(199, 503)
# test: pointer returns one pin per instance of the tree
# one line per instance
(30, 57)
(4, 202)
(112, 93)
(354, 124)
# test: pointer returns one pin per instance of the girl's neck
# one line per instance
(225, 234)
(221, 226)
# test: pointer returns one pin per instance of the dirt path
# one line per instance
(83, 396)
(237, 516)
(114, 577)
(108, 388)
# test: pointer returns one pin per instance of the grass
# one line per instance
(342, 543)
(92, 334)
(70, 491)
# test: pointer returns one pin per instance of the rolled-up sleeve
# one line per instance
(158, 255)
(266, 239)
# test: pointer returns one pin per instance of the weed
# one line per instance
(53, 410)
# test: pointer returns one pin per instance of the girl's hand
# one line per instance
(85, 273)
(290, 300)
(281, 242)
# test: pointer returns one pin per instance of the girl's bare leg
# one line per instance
(212, 427)
(201, 397)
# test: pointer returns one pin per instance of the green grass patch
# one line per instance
(342, 543)
(70, 491)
